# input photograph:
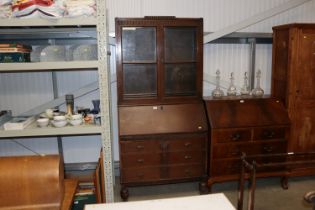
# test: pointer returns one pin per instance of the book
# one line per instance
(18, 123)
(8, 49)
(15, 45)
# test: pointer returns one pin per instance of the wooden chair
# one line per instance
(35, 182)
(310, 198)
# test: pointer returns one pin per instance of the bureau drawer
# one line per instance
(155, 159)
(273, 148)
(185, 157)
(225, 167)
(136, 146)
(186, 171)
(231, 151)
(235, 150)
(186, 143)
(170, 144)
(231, 135)
(162, 173)
(140, 174)
(140, 160)
(269, 133)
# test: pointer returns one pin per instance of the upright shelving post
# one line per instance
(104, 87)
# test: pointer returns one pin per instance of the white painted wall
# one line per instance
(23, 91)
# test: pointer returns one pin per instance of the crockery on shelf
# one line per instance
(76, 117)
(59, 123)
(59, 118)
(76, 122)
(42, 122)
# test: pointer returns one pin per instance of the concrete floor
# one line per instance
(269, 194)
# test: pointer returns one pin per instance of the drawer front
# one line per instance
(235, 151)
(225, 167)
(162, 173)
(189, 143)
(186, 171)
(140, 159)
(139, 146)
(269, 133)
(156, 159)
(230, 151)
(231, 135)
(143, 174)
(186, 143)
(272, 148)
(185, 157)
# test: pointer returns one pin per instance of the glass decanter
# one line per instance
(231, 91)
(258, 91)
(245, 89)
(217, 92)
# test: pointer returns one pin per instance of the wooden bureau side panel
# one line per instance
(280, 61)
(230, 135)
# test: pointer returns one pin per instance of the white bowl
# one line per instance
(59, 123)
(76, 117)
(76, 122)
(59, 118)
(42, 122)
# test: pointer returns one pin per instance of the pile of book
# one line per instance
(15, 53)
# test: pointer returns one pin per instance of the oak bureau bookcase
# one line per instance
(162, 121)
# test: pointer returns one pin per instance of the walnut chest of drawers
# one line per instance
(162, 144)
(252, 126)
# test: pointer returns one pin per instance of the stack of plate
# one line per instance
(53, 53)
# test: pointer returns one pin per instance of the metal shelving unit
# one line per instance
(49, 66)
(33, 130)
(60, 27)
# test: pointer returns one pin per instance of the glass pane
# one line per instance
(180, 79)
(139, 44)
(180, 44)
(139, 79)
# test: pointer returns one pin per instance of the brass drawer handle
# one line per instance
(187, 144)
(236, 152)
(140, 147)
(268, 148)
(235, 136)
(188, 157)
(140, 160)
(268, 134)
